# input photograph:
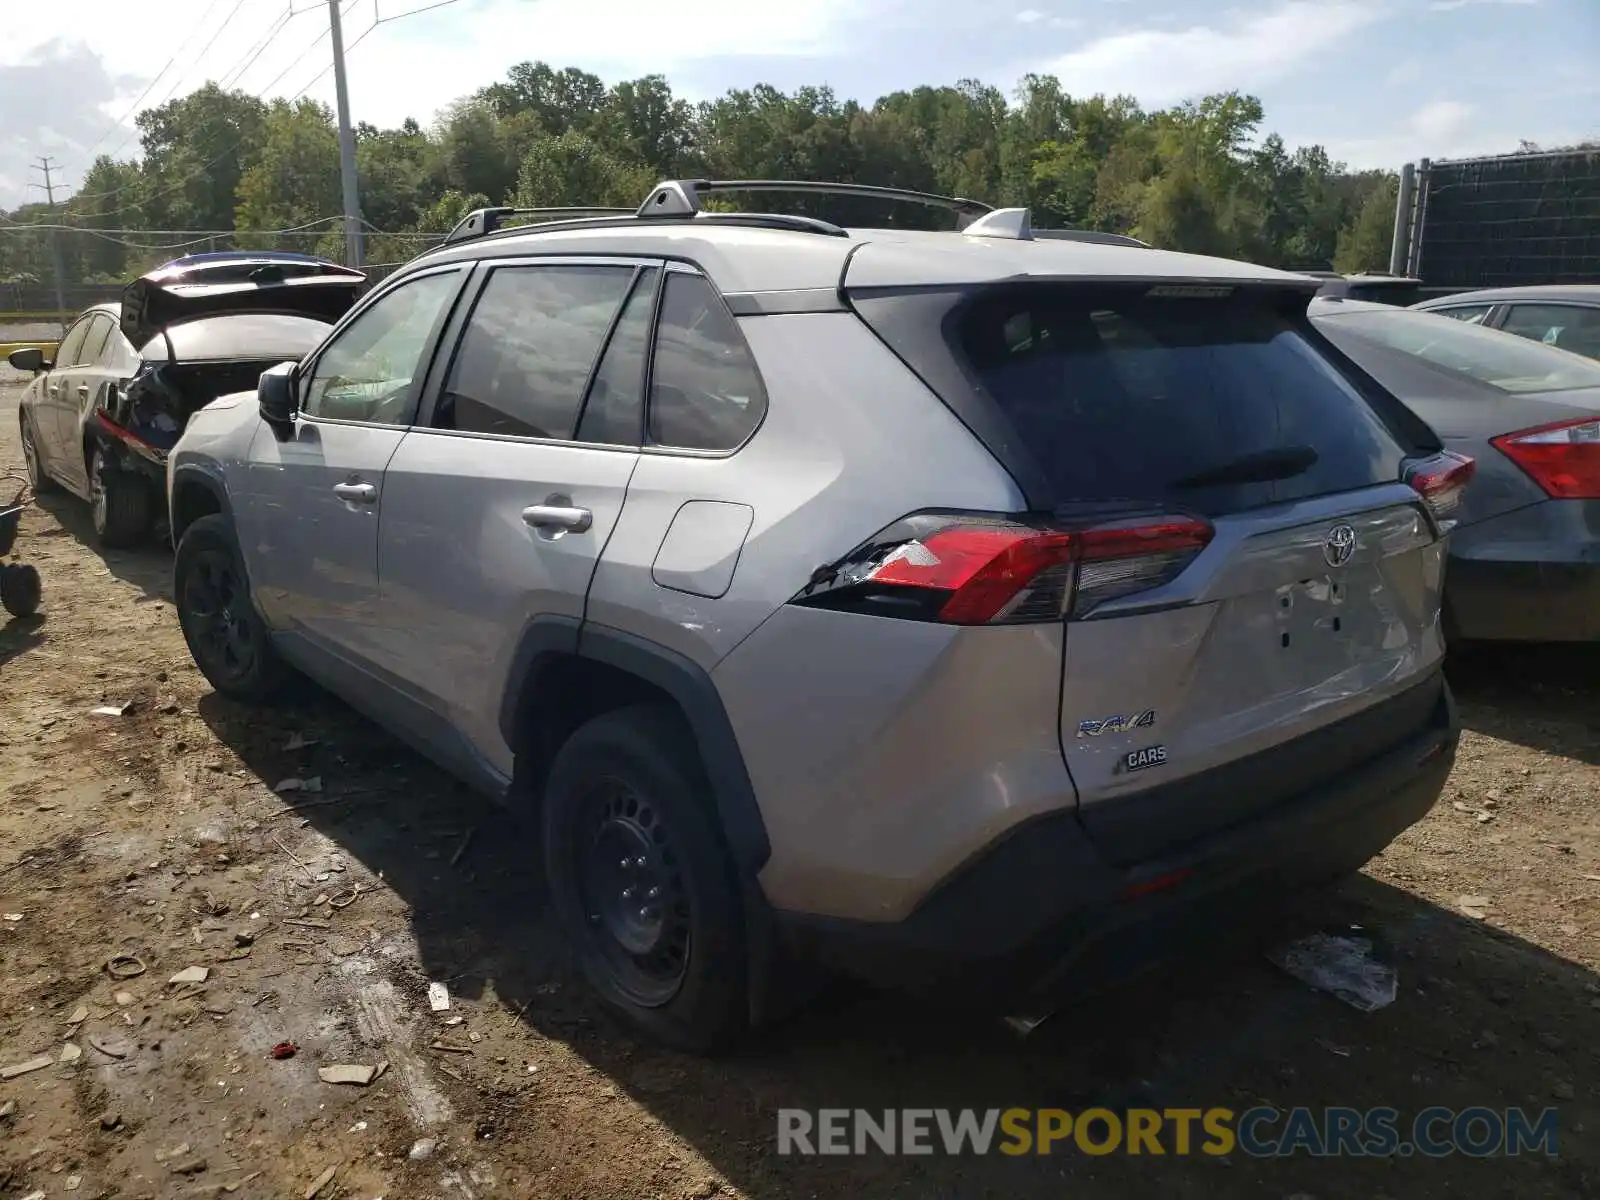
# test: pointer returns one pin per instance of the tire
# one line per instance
(20, 590)
(624, 790)
(38, 478)
(119, 503)
(226, 636)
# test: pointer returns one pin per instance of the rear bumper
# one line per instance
(1530, 575)
(1042, 913)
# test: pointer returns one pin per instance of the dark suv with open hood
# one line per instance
(101, 417)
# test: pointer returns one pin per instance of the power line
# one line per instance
(236, 141)
(272, 34)
(134, 107)
(200, 57)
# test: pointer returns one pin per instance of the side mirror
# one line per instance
(276, 396)
(29, 358)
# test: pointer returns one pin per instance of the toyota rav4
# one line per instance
(938, 606)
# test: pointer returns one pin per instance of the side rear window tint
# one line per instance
(614, 410)
(705, 392)
(526, 355)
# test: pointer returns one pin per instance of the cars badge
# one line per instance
(1339, 546)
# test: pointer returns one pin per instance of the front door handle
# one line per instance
(558, 516)
(356, 493)
(83, 391)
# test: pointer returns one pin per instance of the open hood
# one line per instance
(216, 285)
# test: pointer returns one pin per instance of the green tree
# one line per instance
(1365, 243)
(295, 178)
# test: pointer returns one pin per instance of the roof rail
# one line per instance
(1090, 235)
(681, 197)
(481, 221)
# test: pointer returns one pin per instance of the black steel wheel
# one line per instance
(226, 637)
(634, 893)
(640, 880)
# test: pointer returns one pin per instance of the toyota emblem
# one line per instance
(1339, 545)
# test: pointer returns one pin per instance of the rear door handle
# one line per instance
(83, 391)
(356, 493)
(558, 516)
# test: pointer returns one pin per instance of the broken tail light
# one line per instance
(970, 569)
(1563, 459)
(1440, 479)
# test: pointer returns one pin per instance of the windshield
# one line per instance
(1501, 360)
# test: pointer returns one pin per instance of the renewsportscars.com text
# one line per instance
(1258, 1132)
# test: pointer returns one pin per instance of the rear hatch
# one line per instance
(225, 285)
(1252, 530)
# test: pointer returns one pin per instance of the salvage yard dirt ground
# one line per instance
(155, 841)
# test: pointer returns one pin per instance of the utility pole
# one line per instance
(47, 166)
(347, 143)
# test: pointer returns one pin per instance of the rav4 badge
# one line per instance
(1117, 724)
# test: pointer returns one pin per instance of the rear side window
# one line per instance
(70, 352)
(95, 343)
(528, 350)
(705, 393)
(1203, 404)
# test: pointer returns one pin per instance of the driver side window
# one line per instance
(368, 373)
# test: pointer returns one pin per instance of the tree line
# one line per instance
(1198, 176)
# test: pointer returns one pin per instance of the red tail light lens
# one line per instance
(1440, 480)
(978, 570)
(1563, 459)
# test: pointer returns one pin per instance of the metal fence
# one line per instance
(1502, 222)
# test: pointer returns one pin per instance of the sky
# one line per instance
(1377, 82)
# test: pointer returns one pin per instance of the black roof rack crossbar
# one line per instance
(681, 197)
(481, 221)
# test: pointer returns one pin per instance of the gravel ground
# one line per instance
(159, 834)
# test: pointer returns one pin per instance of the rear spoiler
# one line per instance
(181, 292)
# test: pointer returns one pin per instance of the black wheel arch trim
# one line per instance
(687, 683)
(195, 475)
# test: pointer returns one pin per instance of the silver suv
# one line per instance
(938, 606)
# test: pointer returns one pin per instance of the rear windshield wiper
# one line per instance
(1264, 466)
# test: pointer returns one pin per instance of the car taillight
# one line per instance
(1563, 459)
(1440, 479)
(979, 570)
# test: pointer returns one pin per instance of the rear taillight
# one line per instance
(978, 570)
(1563, 459)
(1440, 479)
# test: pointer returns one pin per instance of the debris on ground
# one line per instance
(283, 1050)
(296, 784)
(321, 1182)
(422, 1149)
(111, 1047)
(111, 710)
(299, 741)
(438, 997)
(354, 1073)
(1474, 906)
(79, 1015)
(125, 966)
(27, 1068)
(1342, 967)
(71, 1052)
(8, 1110)
(191, 975)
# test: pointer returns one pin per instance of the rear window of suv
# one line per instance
(1207, 404)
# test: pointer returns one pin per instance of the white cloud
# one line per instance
(1440, 129)
(1030, 16)
(410, 67)
(1163, 65)
(1454, 5)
